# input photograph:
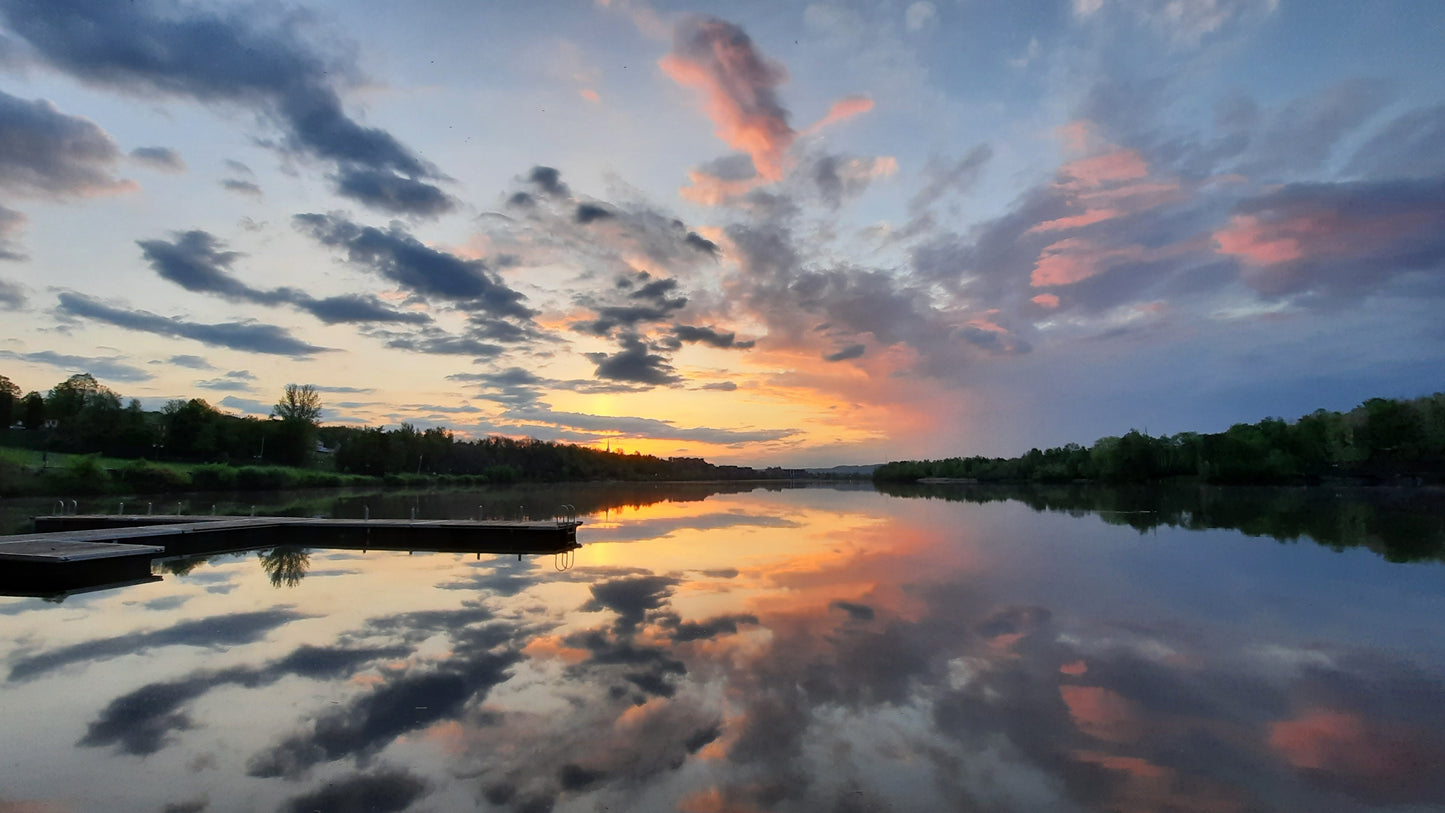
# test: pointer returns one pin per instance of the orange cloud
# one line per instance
(1347, 744)
(845, 108)
(738, 82)
(1101, 713)
(710, 190)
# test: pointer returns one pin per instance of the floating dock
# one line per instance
(69, 553)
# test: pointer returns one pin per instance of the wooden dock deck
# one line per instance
(70, 552)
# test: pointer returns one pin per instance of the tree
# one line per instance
(299, 410)
(32, 410)
(300, 402)
(9, 402)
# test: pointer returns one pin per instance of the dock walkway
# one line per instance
(76, 551)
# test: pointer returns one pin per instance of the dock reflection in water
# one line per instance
(770, 650)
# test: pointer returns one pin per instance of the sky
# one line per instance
(764, 233)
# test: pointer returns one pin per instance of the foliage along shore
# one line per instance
(1380, 441)
(99, 446)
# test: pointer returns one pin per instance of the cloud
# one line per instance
(588, 212)
(240, 187)
(1410, 146)
(193, 362)
(106, 367)
(634, 363)
(840, 178)
(50, 154)
(247, 336)
(234, 629)
(1337, 240)
(841, 110)
(644, 427)
(852, 351)
(392, 193)
(738, 83)
(1182, 22)
(163, 159)
(396, 255)
(548, 180)
(12, 295)
(709, 336)
(920, 15)
(196, 260)
(11, 222)
(249, 55)
(942, 177)
(384, 791)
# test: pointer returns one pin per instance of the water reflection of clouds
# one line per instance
(216, 631)
(880, 659)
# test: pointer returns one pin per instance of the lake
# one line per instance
(744, 648)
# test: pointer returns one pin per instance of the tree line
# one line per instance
(81, 415)
(1381, 440)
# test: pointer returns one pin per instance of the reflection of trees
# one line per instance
(1400, 525)
(285, 565)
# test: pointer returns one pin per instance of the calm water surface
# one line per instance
(801, 649)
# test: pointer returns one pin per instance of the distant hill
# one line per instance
(847, 471)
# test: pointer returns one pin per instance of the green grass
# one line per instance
(30, 472)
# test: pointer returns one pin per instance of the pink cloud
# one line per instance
(738, 83)
(845, 108)
(1109, 167)
(1077, 221)
(1048, 301)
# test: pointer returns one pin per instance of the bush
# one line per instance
(263, 478)
(213, 477)
(81, 474)
(140, 475)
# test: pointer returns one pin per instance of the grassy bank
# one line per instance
(25, 472)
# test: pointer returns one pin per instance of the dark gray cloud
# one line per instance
(394, 194)
(709, 336)
(196, 261)
(589, 212)
(241, 187)
(942, 177)
(1347, 238)
(50, 154)
(224, 384)
(253, 337)
(11, 222)
(1302, 135)
(364, 308)
(141, 722)
(852, 351)
(164, 159)
(383, 791)
(106, 367)
(341, 390)
(218, 631)
(630, 597)
(634, 363)
(422, 270)
(12, 295)
(1410, 146)
(549, 181)
(250, 55)
(725, 386)
(193, 362)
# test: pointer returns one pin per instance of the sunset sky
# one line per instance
(767, 233)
